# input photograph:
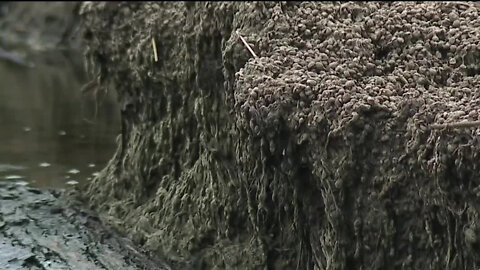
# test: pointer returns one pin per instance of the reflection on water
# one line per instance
(44, 137)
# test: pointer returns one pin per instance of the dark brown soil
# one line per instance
(317, 154)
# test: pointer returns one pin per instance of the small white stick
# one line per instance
(154, 50)
(246, 45)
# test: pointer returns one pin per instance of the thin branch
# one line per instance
(465, 124)
(90, 86)
(154, 49)
(246, 45)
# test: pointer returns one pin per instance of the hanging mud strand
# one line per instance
(246, 45)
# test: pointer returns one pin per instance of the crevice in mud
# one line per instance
(32, 261)
(350, 219)
(472, 71)
(381, 53)
(444, 52)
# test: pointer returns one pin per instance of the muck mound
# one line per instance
(293, 135)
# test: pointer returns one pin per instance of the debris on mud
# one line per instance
(306, 144)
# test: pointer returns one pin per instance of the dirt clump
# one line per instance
(317, 154)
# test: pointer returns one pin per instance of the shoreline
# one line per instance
(43, 229)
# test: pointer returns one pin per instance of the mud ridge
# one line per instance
(317, 154)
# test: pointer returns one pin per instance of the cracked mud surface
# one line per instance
(40, 230)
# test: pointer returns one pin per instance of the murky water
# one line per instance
(49, 134)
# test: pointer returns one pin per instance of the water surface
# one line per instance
(49, 134)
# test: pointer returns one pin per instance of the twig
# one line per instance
(465, 124)
(246, 45)
(154, 50)
(94, 87)
(90, 86)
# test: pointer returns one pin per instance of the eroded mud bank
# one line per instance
(317, 154)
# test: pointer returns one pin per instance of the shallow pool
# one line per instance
(49, 133)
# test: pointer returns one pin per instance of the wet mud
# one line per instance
(42, 229)
(315, 143)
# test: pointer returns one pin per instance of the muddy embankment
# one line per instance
(318, 149)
